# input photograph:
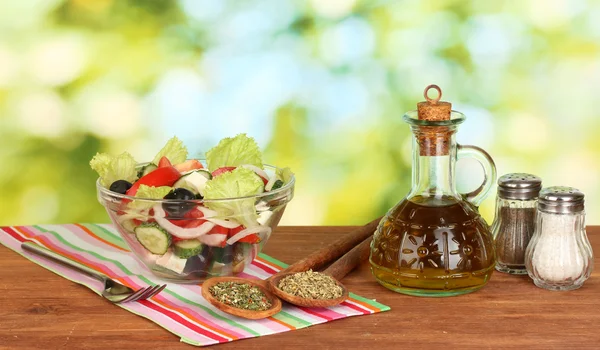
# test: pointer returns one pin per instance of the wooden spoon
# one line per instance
(315, 260)
(337, 271)
(325, 255)
(249, 314)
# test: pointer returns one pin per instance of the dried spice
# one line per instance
(240, 295)
(514, 223)
(514, 233)
(311, 285)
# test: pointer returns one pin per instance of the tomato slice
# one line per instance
(189, 165)
(265, 181)
(220, 230)
(166, 176)
(222, 170)
(215, 240)
(138, 222)
(194, 223)
(164, 162)
(180, 222)
(252, 239)
(193, 219)
(234, 231)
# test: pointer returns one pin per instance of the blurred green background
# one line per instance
(321, 84)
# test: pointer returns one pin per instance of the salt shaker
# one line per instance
(559, 255)
(514, 222)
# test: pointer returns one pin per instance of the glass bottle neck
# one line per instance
(434, 160)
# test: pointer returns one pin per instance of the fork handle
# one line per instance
(39, 250)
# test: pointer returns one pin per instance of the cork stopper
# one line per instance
(434, 140)
(434, 109)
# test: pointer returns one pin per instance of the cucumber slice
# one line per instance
(181, 183)
(194, 181)
(205, 173)
(146, 169)
(223, 255)
(187, 248)
(153, 237)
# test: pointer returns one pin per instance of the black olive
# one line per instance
(120, 186)
(178, 209)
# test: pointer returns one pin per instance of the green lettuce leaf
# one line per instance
(240, 182)
(149, 192)
(234, 151)
(175, 150)
(285, 175)
(111, 169)
(152, 192)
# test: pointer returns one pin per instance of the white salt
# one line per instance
(557, 254)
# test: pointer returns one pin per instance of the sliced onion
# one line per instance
(207, 212)
(224, 223)
(257, 170)
(264, 230)
(134, 214)
(213, 240)
(271, 182)
(125, 217)
(180, 232)
(208, 215)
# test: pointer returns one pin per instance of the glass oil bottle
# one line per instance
(434, 242)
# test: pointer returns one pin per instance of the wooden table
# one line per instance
(509, 312)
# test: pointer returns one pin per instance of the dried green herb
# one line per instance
(240, 295)
(311, 285)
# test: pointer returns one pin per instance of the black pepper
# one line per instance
(514, 232)
(515, 219)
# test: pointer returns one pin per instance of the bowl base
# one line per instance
(178, 280)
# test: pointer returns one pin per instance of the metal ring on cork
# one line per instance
(426, 94)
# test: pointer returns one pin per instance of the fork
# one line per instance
(113, 290)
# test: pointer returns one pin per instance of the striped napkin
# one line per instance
(180, 308)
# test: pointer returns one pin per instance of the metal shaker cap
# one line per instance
(519, 186)
(561, 200)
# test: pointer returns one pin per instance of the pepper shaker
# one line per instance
(514, 222)
(559, 255)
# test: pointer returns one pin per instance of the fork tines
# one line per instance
(144, 293)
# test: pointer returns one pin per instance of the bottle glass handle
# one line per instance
(489, 172)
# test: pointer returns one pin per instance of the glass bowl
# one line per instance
(201, 243)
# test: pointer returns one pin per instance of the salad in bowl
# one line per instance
(191, 219)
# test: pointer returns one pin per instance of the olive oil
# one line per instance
(432, 246)
(434, 242)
